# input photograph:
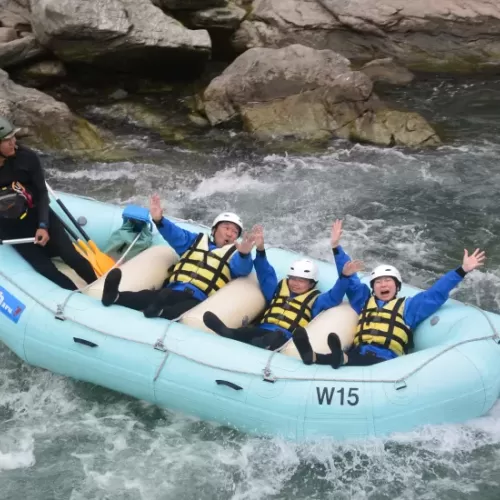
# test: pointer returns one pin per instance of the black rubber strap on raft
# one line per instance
(229, 384)
(223, 262)
(88, 343)
(298, 308)
(303, 309)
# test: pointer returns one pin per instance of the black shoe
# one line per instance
(155, 309)
(301, 341)
(111, 284)
(215, 324)
(336, 348)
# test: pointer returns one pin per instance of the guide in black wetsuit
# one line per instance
(25, 212)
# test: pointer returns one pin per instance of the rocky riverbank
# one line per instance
(307, 70)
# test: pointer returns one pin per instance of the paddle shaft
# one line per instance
(68, 229)
(17, 241)
(68, 213)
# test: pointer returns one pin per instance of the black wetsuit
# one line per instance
(25, 168)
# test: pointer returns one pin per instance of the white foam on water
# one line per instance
(100, 172)
(231, 180)
(16, 453)
(98, 445)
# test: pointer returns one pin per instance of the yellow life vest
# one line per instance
(290, 312)
(206, 269)
(384, 326)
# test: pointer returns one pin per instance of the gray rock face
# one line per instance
(387, 71)
(41, 73)
(447, 35)
(189, 4)
(50, 123)
(310, 94)
(228, 18)
(19, 51)
(15, 14)
(119, 34)
(7, 35)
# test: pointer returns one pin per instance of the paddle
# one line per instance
(17, 241)
(103, 262)
(83, 249)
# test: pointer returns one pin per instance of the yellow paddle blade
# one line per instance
(87, 254)
(104, 261)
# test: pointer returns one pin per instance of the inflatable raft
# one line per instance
(452, 375)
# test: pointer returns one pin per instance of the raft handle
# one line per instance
(400, 384)
(229, 384)
(84, 342)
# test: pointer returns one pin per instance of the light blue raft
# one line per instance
(453, 375)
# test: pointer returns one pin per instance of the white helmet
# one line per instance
(304, 268)
(228, 217)
(385, 270)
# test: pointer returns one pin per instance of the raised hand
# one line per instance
(258, 233)
(473, 261)
(246, 244)
(155, 208)
(352, 267)
(336, 233)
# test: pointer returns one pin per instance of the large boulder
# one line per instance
(117, 34)
(310, 94)
(448, 35)
(48, 124)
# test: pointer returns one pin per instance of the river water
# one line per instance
(63, 439)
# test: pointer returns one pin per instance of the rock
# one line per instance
(228, 18)
(264, 74)
(198, 120)
(7, 35)
(189, 4)
(391, 127)
(309, 94)
(123, 35)
(387, 71)
(118, 94)
(49, 123)
(15, 14)
(41, 73)
(300, 116)
(246, 4)
(146, 116)
(19, 51)
(451, 35)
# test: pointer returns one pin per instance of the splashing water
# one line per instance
(63, 439)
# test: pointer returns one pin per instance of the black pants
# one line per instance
(174, 303)
(260, 337)
(39, 257)
(354, 358)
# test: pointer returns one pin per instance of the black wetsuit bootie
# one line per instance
(110, 289)
(213, 322)
(301, 341)
(336, 347)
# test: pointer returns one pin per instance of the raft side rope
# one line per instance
(266, 373)
(269, 376)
